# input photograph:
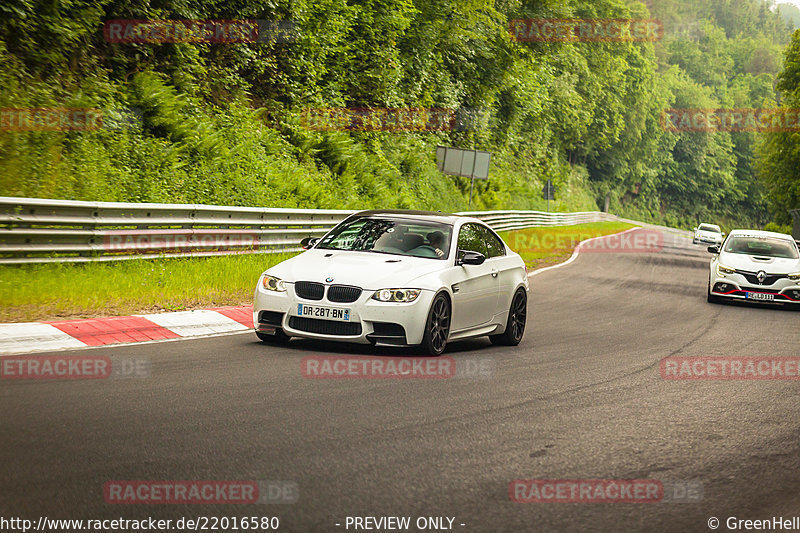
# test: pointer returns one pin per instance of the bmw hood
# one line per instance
(754, 263)
(367, 270)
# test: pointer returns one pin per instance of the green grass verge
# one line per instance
(54, 291)
(541, 247)
(58, 291)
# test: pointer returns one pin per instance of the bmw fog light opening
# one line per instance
(271, 283)
(396, 295)
(723, 270)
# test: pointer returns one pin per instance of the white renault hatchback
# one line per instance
(759, 266)
(398, 278)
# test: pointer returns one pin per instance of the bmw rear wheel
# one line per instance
(515, 326)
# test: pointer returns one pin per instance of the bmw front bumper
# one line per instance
(369, 321)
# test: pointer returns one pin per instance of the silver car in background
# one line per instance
(707, 234)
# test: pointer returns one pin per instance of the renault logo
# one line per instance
(761, 276)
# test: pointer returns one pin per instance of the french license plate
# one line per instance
(764, 297)
(325, 313)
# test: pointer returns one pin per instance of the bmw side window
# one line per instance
(470, 238)
(494, 245)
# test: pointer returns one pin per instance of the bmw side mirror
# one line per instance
(308, 242)
(471, 258)
(713, 249)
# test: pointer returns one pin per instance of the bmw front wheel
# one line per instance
(437, 327)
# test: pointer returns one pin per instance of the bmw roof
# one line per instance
(439, 216)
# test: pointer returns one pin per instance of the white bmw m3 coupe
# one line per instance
(757, 266)
(398, 278)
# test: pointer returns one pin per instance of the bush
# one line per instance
(778, 228)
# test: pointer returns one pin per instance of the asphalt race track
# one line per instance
(581, 398)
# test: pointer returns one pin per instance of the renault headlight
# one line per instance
(396, 295)
(795, 276)
(722, 270)
(271, 283)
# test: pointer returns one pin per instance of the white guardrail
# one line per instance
(36, 230)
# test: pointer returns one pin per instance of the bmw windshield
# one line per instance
(416, 238)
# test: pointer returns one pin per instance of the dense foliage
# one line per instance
(220, 123)
(780, 151)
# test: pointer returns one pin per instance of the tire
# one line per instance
(278, 338)
(515, 326)
(711, 298)
(437, 326)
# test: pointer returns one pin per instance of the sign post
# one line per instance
(549, 193)
(473, 164)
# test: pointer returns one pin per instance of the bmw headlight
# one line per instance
(794, 276)
(396, 295)
(722, 270)
(271, 283)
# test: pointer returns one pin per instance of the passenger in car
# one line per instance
(412, 240)
(387, 242)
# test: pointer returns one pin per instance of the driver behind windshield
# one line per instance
(435, 241)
